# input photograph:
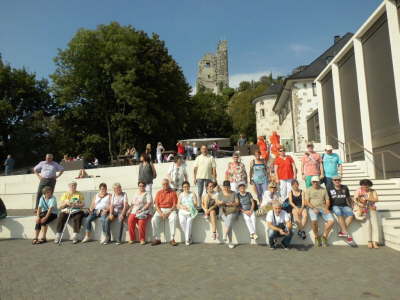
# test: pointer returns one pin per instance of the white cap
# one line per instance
(315, 178)
(328, 147)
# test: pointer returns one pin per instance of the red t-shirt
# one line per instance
(181, 149)
(285, 169)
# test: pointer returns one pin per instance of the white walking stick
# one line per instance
(65, 226)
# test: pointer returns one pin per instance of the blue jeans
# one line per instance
(104, 223)
(261, 188)
(200, 187)
(342, 211)
(272, 235)
(328, 183)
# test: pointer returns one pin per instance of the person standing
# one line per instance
(159, 152)
(195, 151)
(187, 203)
(177, 174)
(333, 166)
(285, 172)
(204, 170)
(189, 151)
(318, 203)
(339, 196)
(71, 202)
(147, 172)
(9, 165)
(311, 165)
(46, 171)
(259, 175)
(165, 205)
(241, 141)
(368, 197)
(180, 149)
(236, 173)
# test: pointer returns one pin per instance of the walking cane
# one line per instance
(65, 226)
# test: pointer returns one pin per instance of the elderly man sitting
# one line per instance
(279, 226)
(165, 205)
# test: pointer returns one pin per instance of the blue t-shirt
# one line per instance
(46, 205)
(331, 163)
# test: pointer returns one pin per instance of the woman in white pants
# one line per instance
(187, 203)
(246, 206)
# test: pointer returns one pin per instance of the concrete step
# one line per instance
(388, 206)
(391, 221)
(393, 245)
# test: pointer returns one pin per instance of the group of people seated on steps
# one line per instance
(284, 210)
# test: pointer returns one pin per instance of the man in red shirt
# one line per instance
(180, 149)
(285, 172)
(165, 205)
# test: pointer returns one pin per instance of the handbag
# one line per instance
(143, 214)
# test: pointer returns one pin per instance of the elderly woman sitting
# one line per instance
(72, 203)
(118, 208)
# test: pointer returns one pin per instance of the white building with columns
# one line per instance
(359, 94)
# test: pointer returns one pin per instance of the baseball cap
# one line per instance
(336, 178)
(328, 147)
(315, 178)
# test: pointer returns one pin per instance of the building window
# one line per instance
(207, 64)
(313, 128)
(262, 113)
(208, 76)
(305, 85)
(262, 103)
(314, 89)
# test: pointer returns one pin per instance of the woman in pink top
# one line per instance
(311, 165)
(139, 213)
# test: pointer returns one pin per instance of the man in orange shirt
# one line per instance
(285, 172)
(165, 205)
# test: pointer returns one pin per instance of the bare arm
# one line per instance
(251, 171)
(294, 170)
(291, 200)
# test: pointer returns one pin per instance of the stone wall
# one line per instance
(269, 122)
(213, 69)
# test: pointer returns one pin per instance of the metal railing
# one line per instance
(347, 151)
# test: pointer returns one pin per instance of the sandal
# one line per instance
(42, 241)
(35, 241)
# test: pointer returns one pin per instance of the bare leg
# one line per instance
(348, 221)
(44, 232)
(342, 224)
(314, 225)
(303, 219)
(328, 227)
(213, 221)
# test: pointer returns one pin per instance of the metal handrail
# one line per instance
(381, 153)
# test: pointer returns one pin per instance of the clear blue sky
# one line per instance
(263, 35)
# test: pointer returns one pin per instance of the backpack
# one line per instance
(3, 210)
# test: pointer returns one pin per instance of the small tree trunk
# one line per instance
(109, 138)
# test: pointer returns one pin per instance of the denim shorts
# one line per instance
(344, 211)
(314, 216)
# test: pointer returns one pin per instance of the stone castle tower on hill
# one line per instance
(213, 70)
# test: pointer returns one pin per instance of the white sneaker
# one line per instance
(57, 238)
(86, 239)
(255, 236)
(187, 243)
(75, 238)
(231, 246)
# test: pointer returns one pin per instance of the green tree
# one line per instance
(118, 87)
(25, 112)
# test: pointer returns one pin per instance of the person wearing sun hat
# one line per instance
(333, 166)
(318, 203)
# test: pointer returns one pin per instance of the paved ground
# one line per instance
(200, 271)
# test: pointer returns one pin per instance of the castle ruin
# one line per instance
(213, 70)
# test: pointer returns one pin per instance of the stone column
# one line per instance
(321, 115)
(364, 108)
(339, 111)
(394, 37)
